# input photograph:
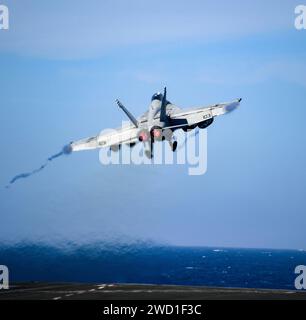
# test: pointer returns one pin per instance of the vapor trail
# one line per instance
(65, 151)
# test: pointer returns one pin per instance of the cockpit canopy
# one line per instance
(157, 96)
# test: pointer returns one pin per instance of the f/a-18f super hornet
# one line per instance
(156, 124)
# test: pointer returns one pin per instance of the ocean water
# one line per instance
(154, 264)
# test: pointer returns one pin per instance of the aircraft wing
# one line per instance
(200, 114)
(107, 138)
(178, 118)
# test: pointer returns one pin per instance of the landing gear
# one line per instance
(149, 154)
(150, 150)
(173, 145)
(157, 134)
(115, 147)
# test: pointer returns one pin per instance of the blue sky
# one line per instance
(64, 63)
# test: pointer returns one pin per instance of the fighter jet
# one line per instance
(156, 124)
